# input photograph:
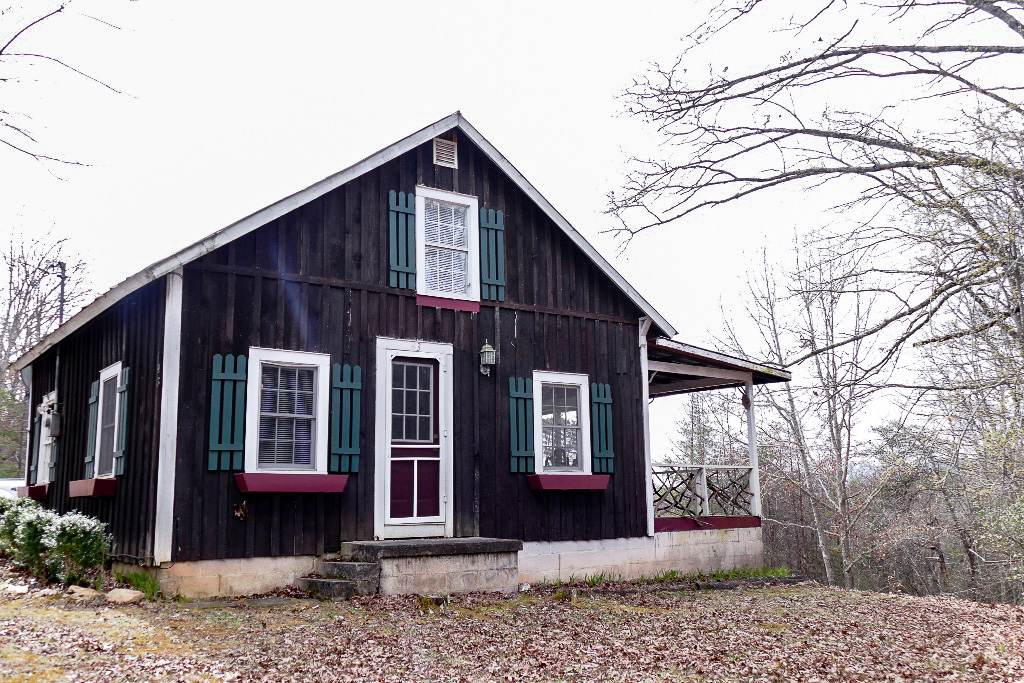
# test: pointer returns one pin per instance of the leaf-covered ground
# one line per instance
(777, 633)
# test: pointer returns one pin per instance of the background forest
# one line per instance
(894, 459)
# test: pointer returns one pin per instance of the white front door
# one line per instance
(414, 439)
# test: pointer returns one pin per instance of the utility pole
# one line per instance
(63, 274)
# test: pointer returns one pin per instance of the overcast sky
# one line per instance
(225, 107)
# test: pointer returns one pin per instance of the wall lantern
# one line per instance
(488, 356)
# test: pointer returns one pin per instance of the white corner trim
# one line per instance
(26, 379)
(322, 363)
(472, 205)
(645, 326)
(318, 189)
(170, 377)
(541, 377)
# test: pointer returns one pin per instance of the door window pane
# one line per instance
(412, 402)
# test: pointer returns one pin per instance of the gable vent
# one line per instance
(445, 153)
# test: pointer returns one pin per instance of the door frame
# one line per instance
(387, 350)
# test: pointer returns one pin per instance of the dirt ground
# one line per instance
(774, 633)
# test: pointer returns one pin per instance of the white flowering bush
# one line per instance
(68, 547)
(10, 516)
(30, 548)
(78, 544)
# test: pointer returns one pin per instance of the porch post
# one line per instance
(645, 325)
(755, 476)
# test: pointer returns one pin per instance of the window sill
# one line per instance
(268, 482)
(35, 492)
(453, 304)
(569, 482)
(92, 488)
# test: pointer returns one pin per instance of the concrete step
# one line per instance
(375, 551)
(328, 589)
(366, 575)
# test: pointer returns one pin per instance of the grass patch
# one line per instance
(140, 581)
(673, 575)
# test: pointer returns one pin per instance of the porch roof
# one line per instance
(678, 368)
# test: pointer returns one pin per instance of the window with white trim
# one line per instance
(561, 423)
(108, 413)
(448, 239)
(287, 397)
(45, 410)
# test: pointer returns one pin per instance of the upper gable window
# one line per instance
(446, 153)
(447, 227)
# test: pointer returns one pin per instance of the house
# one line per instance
(416, 364)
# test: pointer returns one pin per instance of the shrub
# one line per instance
(77, 545)
(10, 516)
(31, 549)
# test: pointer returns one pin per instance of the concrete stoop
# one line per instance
(343, 579)
(435, 566)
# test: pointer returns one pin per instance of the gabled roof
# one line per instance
(282, 207)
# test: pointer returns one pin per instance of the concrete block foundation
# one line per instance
(631, 558)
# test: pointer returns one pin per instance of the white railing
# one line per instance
(704, 490)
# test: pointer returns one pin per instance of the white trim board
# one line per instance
(163, 525)
(318, 189)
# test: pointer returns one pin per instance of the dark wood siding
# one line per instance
(131, 332)
(315, 280)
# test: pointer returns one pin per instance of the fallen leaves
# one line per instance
(796, 633)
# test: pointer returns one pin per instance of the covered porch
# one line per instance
(689, 497)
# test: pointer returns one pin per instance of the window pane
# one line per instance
(397, 431)
(446, 270)
(424, 407)
(287, 410)
(107, 417)
(445, 224)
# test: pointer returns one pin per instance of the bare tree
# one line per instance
(15, 131)
(31, 305)
(936, 163)
(819, 419)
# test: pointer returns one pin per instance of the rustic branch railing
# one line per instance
(702, 491)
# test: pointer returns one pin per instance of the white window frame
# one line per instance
(105, 374)
(472, 205)
(541, 378)
(47, 405)
(321, 413)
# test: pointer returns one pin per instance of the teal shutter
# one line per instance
(601, 428)
(346, 394)
(492, 255)
(402, 239)
(520, 403)
(90, 449)
(33, 458)
(227, 413)
(122, 422)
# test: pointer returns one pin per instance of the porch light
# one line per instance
(488, 356)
